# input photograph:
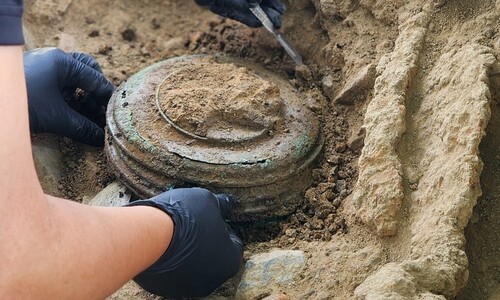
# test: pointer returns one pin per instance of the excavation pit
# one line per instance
(216, 122)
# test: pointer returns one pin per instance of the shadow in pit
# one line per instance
(483, 231)
(259, 231)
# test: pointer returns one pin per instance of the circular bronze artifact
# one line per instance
(218, 123)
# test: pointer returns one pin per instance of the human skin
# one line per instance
(52, 248)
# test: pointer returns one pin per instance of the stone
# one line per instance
(174, 44)
(268, 273)
(341, 185)
(67, 42)
(327, 85)
(357, 140)
(303, 72)
(215, 297)
(48, 164)
(114, 195)
(132, 291)
(278, 296)
(362, 81)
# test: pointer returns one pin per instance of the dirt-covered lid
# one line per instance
(224, 104)
(209, 121)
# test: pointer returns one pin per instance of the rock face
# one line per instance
(48, 164)
(380, 185)
(114, 195)
(356, 86)
(419, 169)
(268, 273)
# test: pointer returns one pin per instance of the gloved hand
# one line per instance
(53, 75)
(204, 251)
(239, 10)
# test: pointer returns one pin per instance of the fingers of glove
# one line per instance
(226, 204)
(241, 5)
(91, 103)
(78, 128)
(87, 59)
(203, 2)
(253, 3)
(274, 16)
(68, 92)
(235, 239)
(87, 78)
(246, 18)
(274, 4)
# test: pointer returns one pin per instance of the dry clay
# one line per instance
(419, 169)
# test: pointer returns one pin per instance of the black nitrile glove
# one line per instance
(239, 10)
(53, 75)
(204, 251)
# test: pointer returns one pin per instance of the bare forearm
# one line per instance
(16, 164)
(80, 252)
(53, 248)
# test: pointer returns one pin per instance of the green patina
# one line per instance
(260, 171)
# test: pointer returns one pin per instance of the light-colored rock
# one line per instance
(115, 194)
(357, 85)
(327, 85)
(67, 42)
(40, 17)
(379, 191)
(48, 164)
(277, 296)
(131, 291)
(438, 157)
(29, 40)
(394, 285)
(215, 297)
(267, 273)
(174, 44)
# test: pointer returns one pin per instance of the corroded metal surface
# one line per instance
(248, 134)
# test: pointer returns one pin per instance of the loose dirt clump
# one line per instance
(405, 90)
(80, 161)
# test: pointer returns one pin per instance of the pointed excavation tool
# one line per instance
(261, 15)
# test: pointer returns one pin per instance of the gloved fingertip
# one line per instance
(87, 59)
(234, 238)
(253, 3)
(94, 137)
(275, 4)
(274, 16)
(241, 5)
(246, 18)
(226, 204)
(101, 97)
(97, 140)
(68, 92)
(91, 104)
(81, 129)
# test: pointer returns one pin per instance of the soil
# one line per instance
(199, 98)
(409, 90)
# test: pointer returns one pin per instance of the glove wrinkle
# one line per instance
(52, 76)
(239, 10)
(203, 253)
